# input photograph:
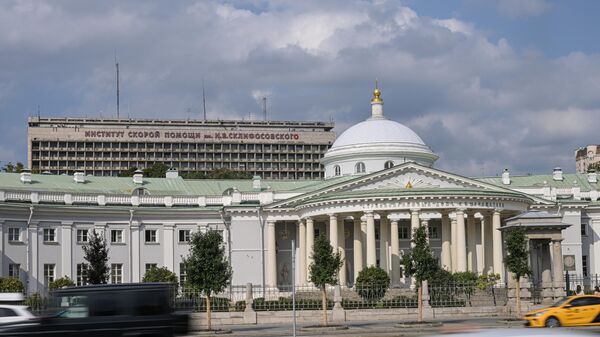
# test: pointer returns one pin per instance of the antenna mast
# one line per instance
(264, 99)
(117, 65)
(203, 100)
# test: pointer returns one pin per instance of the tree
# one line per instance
(161, 274)
(129, 172)
(207, 268)
(158, 170)
(420, 263)
(517, 259)
(62, 282)
(224, 173)
(372, 283)
(96, 254)
(324, 268)
(12, 168)
(11, 285)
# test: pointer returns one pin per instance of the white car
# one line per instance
(14, 313)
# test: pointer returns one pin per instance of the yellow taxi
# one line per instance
(569, 311)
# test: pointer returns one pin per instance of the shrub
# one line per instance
(62, 282)
(11, 285)
(372, 283)
(161, 274)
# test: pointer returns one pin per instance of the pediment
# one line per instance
(412, 179)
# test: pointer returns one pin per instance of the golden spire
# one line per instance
(376, 93)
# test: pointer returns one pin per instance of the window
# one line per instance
(583, 229)
(14, 270)
(14, 234)
(6, 312)
(582, 301)
(432, 231)
(116, 236)
(584, 262)
(404, 232)
(182, 277)
(82, 235)
(151, 235)
(49, 235)
(116, 273)
(49, 273)
(81, 274)
(337, 171)
(359, 167)
(388, 164)
(150, 266)
(184, 235)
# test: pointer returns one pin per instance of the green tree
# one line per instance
(324, 268)
(420, 263)
(372, 283)
(11, 285)
(158, 170)
(96, 254)
(207, 268)
(517, 259)
(161, 274)
(128, 173)
(62, 282)
(193, 175)
(223, 173)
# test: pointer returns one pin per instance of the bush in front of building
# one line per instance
(11, 285)
(372, 283)
(62, 282)
(162, 274)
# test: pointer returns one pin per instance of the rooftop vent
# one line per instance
(506, 177)
(26, 177)
(138, 177)
(557, 174)
(172, 173)
(256, 182)
(79, 177)
(592, 177)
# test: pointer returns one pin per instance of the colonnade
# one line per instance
(470, 241)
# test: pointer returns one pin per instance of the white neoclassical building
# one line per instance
(380, 183)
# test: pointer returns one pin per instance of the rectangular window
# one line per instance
(49, 235)
(82, 235)
(151, 235)
(14, 270)
(49, 273)
(184, 235)
(182, 277)
(583, 229)
(584, 262)
(14, 234)
(116, 236)
(404, 233)
(116, 273)
(433, 232)
(81, 274)
(150, 266)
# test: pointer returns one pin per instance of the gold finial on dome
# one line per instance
(376, 94)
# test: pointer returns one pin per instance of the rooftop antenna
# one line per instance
(203, 99)
(117, 66)
(264, 101)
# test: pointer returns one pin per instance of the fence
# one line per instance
(588, 282)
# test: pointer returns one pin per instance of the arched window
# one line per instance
(337, 171)
(140, 191)
(359, 167)
(388, 164)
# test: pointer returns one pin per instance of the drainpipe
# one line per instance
(28, 238)
(130, 247)
(262, 247)
(228, 228)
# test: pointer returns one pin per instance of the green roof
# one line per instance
(537, 181)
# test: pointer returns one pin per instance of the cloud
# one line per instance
(479, 103)
(522, 8)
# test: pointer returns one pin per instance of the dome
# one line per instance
(380, 130)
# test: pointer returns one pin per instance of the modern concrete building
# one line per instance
(106, 147)
(378, 188)
(586, 156)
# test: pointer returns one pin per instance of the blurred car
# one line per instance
(14, 313)
(137, 309)
(520, 332)
(569, 311)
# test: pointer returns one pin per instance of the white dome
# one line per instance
(379, 130)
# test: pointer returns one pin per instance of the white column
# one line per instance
(2, 249)
(271, 248)
(32, 278)
(414, 223)
(363, 239)
(357, 247)
(487, 242)
(134, 231)
(66, 250)
(453, 244)
(425, 223)
(395, 270)
(497, 240)
(461, 246)
(371, 248)
(342, 249)
(446, 257)
(384, 242)
(168, 245)
(310, 241)
(333, 232)
(479, 247)
(302, 252)
(471, 263)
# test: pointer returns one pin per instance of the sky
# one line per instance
(487, 84)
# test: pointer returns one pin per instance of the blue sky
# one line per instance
(488, 84)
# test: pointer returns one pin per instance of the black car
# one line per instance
(136, 309)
